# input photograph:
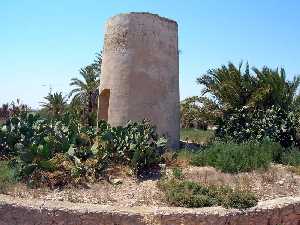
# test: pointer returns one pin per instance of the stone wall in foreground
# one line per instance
(13, 211)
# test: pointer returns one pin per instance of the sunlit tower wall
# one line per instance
(140, 73)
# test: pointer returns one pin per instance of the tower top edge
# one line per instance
(146, 14)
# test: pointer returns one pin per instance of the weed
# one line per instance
(197, 135)
(185, 193)
(295, 169)
(235, 158)
(7, 177)
(291, 157)
(177, 173)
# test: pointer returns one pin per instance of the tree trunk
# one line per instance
(90, 109)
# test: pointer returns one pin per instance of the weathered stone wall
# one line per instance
(140, 71)
(13, 211)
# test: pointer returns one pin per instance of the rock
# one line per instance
(116, 181)
(281, 182)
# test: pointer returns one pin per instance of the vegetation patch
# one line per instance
(256, 114)
(295, 169)
(244, 124)
(7, 177)
(190, 194)
(235, 158)
(253, 104)
(177, 173)
(291, 157)
(59, 151)
(196, 135)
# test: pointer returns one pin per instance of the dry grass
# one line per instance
(181, 158)
(129, 193)
(7, 179)
(277, 181)
(295, 169)
(120, 171)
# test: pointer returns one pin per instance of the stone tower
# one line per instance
(140, 77)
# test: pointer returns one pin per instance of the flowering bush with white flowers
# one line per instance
(278, 124)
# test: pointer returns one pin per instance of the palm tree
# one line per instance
(76, 108)
(97, 64)
(55, 103)
(229, 85)
(274, 88)
(86, 89)
(233, 87)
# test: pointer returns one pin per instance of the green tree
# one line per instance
(274, 89)
(76, 108)
(97, 64)
(55, 104)
(85, 90)
(4, 112)
(199, 111)
(229, 85)
(232, 87)
(255, 104)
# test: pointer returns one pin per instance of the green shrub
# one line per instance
(33, 142)
(17, 130)
(135, 144)
(83, 153)
(246, 124)
(7, 177)
(291, 157)
(92, 151)
(187, 194)
(177, 173)
(234, 158)
(197, 135)
(5, 151)
(191, 194)
(25, 130)
(240, 200)
(185, 155)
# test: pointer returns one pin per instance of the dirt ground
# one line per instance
(275, 182)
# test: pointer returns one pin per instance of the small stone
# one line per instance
(59, 198)
(116, 181)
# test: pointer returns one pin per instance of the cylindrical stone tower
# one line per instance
(140, 77)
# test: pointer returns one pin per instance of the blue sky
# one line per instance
(43, 44)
